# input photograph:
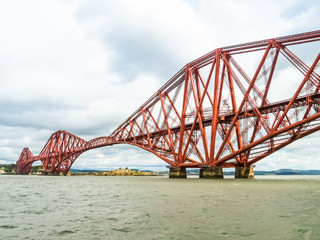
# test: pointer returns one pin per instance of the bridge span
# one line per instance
(229, 108)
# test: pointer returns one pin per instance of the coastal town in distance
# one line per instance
(10, 169)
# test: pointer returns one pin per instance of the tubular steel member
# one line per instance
(224, 109)
(216, 95)
(25, 161)
(59, 153)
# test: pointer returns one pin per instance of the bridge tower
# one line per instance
(231, 107)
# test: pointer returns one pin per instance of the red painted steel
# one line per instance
(25, 161)
(212, 113)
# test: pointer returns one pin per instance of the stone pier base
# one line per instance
(51, 173)
(178, 173)
(244, 172)
(211, 172)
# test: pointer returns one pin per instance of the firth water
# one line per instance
(88, 207)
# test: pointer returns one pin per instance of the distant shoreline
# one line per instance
(118, 172)
(196, 172)
(9, 169)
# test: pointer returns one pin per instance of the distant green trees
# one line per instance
(37, 168)
(7, 167)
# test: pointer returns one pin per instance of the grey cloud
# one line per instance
(62, 78)
(140, 42)
(140, 52)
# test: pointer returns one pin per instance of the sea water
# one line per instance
(97, 207)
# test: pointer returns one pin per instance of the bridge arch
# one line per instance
(25, 161)
(214, 99)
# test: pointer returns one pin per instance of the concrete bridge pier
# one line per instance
(211, 172)
(178, 173)
(244, 172)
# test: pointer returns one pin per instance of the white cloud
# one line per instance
(85, 66)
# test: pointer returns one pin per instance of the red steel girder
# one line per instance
(218, 96)
(25, 161)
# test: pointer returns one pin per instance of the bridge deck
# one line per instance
(228, 117)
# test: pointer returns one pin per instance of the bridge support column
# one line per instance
(244, 172)
(211, 172)
(178, 173)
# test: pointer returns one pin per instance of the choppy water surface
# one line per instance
(44, 207)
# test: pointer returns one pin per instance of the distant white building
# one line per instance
(1, 171)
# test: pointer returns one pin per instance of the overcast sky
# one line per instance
(85, 66)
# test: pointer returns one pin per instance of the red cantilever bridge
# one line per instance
(229, 108)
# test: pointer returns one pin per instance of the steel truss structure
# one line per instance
(231, 107)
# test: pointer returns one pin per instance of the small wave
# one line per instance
(65, 232)
(124, 229)
(8, 226)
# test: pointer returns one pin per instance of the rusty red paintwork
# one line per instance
(212, 113)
